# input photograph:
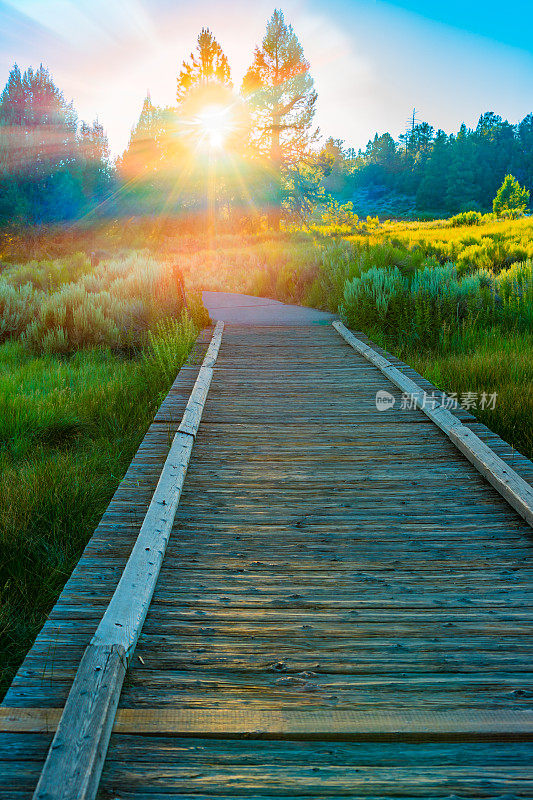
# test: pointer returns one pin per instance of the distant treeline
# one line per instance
(52, 168)
(55, 169)
(456, 172)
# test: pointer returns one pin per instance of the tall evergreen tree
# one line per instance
(433, 186)
(39, 147)
(279, 91)
(208, 67)
(143, 154)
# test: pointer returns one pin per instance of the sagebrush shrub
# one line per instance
(17, 307)
(112, 306)
(48, 275)
(375, 296)
(466, 218)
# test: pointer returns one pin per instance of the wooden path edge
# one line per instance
(76, 756)
(512, 487)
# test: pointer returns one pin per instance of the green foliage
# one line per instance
(466, 218)
(68, 430)
(337, 214)
(113, 305)
(510, 196)
(17, 308)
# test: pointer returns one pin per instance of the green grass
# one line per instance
(69, 428)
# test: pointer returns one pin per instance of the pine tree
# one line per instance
(39, 147)
(462, 192)
(208, 68)
(13, 99)
(279, 91)
(143, 153)
(432, 189)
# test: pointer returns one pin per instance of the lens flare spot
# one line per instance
(214, 123)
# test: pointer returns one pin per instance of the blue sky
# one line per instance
(373, 61)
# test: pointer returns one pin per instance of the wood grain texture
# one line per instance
(330, 569)
(501, 475)
(376, 724)
(74, 762)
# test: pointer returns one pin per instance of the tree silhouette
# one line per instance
(207, 67)
(280, 93)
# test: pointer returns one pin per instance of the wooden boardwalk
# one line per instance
(344, 609)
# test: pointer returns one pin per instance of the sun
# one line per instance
(214, 123)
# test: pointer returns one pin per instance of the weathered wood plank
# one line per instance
(378, 724)
(76, 756)
(74, 763)
(516, 491)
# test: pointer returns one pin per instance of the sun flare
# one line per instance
(214, 124)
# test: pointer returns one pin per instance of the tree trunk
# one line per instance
(275, 162)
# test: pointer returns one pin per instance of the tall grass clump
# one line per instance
(168, 344)
(491, 361)
(513, 290)
(69, 428)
